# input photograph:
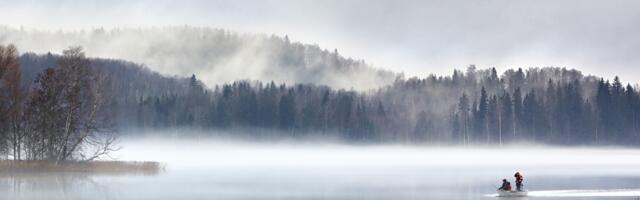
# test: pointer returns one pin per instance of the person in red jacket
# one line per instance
(519, 180)
(506, 186)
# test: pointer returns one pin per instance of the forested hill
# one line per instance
(218, 56)
(128, 82)
(551, 105)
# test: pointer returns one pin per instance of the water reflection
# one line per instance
(290, 183)
(207, 170)
(49, 186)
(75, 181)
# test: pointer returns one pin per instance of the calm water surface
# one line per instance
(210, 169)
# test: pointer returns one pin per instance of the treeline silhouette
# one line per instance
(561, 113)
(550, 105)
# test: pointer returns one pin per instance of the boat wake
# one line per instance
(586, 193)
(582, 193)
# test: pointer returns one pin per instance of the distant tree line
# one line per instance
(561, 113)
(550, 105)
(567, 110)
(59, 115)
(296, 110)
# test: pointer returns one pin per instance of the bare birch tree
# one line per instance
(11, 99)
(68, 119)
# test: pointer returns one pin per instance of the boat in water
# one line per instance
(506, 193)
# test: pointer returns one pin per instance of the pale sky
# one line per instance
(415, 37)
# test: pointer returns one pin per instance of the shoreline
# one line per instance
(14, 167)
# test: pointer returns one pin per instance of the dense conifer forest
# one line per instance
(474, 106)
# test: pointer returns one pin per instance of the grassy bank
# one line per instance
(92, 167)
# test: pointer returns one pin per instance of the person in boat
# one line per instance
(519, 180)
(506, 186)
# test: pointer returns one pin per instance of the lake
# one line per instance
(208, 168)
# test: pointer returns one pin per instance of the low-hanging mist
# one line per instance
(207, 151)
(216, 167)
(347, 171)
(216, 56)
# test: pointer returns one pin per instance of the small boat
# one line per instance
(504, 193)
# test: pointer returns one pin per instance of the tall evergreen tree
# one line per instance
(463, 118)
(630, 113)
(603, 101)
(517, 113)
(480, 116)
(529, 114)
(506, 117)
(493, 119)
(287, 113)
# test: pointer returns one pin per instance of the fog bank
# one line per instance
(215, 56)
(210, 152)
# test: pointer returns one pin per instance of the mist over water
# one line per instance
(335, 100)
(201, 167)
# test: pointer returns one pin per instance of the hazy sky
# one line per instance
(415, 37)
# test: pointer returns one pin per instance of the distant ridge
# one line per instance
(216, 56)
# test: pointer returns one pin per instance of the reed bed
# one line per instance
(90, 167)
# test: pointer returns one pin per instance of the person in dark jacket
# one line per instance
(519, 180)
(506, 186)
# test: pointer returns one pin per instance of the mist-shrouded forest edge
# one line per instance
(218, 56)
(322, 95)
(475, 106)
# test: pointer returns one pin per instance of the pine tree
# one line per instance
(517, 113)
(530, 108)
(506, 117)
(480, 117)
(463, 118)
(550, 102)
(603, 101)
(421, 130)
(493, 119)
(287, 113)
(630, 113)
(617, 109)
(574, 111)
(456, 130)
